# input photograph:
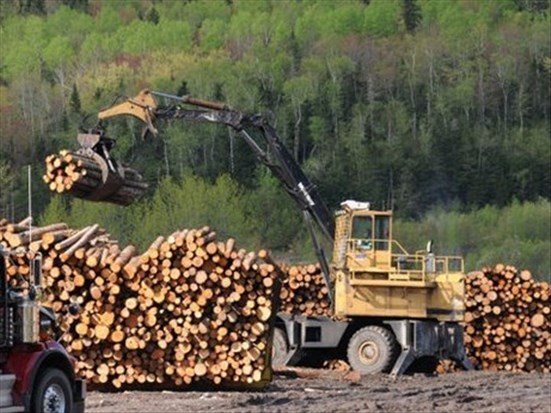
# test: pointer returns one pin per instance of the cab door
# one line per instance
(360, 251)
(381, 242)
(369, 244)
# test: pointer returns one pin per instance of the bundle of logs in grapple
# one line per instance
(190, 309)
(507, 322)
(85, 175)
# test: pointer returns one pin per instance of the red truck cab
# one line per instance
(36, 372)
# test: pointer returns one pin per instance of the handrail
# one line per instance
(412, 266)
(404, 251)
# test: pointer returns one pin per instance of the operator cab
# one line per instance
(364, 246)
(365, 237)
(370, 239)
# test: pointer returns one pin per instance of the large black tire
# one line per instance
(372, 350)
(279, 347)
(52, 393)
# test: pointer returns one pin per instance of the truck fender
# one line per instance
(27, 365)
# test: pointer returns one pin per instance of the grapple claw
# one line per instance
(112, 176)
(96, 146)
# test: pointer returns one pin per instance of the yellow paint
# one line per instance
(375, 276)
(141, 106)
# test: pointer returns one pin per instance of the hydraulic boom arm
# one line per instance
(276, 157)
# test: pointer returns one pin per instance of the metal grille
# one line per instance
(5, 314)
(6, 327)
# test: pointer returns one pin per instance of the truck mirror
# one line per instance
(37, 271)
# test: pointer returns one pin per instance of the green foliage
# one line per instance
(381, 17)
(81, 5)
(58, 52)
(75, 100)
(516, 235)
(540, 6)
(190, 203)
(153, 16)
(22, 45)
(412, 14)
(55, 212)
(194, 12)
(6, 180)
(141, 37)
(193, 203)
(276, 219)
(212, 34)
(409, 104)
(69, 22)
(32, 6)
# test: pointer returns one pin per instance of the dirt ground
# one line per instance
(328, 391)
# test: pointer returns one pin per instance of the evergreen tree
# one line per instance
(294, 52)
(7, 177)
(540, 6)
(64, 121)
(81, 5)
(183, 89)
(8, 9)
(153, 16)
(75, 100)
(412, 14)
(32, 7)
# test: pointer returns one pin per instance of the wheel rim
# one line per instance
(54, 399)
(368, 352)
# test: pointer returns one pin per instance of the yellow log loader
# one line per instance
(391, 309)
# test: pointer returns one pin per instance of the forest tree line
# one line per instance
(415, 105)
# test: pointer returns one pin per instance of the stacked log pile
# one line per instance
(80, 175)
(507, 323)
(304, 291)
(191, 309)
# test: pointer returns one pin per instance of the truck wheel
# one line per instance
(279, 347)
(52, 393)
(371, 350)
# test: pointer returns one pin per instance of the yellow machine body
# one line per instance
(141, 107)
(374, 276)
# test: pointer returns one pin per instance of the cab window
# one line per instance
(382, 233)
(362, 230)
(362, 227)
